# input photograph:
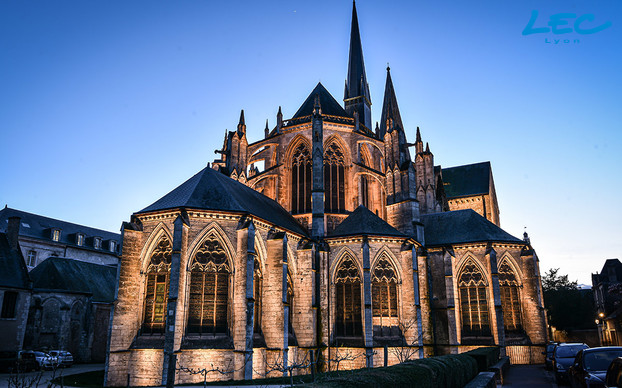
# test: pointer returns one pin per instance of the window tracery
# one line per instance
(156, 289)
(384, 290)
(510, 301)
(334, 179)
(348, 300)
(473, 302)
(209, 289)
(301, 180)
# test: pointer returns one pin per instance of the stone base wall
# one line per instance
(523, 355)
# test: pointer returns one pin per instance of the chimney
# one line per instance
(12, 232)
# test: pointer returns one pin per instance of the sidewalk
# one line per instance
(529, 376)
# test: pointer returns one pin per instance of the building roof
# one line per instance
(13, 272)
(329, 105)
(212, 190)
(363, 222)
(462, 226)
(60, 274)
(467, 180)
(390, 109)
(39, 227)
(611, 272)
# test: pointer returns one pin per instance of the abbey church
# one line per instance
(330, 243)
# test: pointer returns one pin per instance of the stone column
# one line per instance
(451, 303)
(368, 329)
(417, 300)
(317, 193)
(274, 304)
(496, 291)
(169, 364)
(250, 301)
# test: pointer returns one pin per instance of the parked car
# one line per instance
(44, 360)
(613, 379)
(548, 354)
(63, 358)
(563, 357)
(590, 366)
(27, 361)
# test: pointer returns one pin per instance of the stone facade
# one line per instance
(323, 245)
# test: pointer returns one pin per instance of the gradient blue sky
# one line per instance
(105, 106)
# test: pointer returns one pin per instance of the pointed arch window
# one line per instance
(473, 302)
(334, 180)
(348, 321)
(510, 301)
(384, 289)
(156, 289)
(301, 180)
(209, 289)
(258, 286)
(364, 191)
(290, 316)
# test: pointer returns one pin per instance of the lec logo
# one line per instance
(559, 20)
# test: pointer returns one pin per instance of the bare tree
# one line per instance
(407, 350)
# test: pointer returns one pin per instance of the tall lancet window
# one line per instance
(384, 291)
(348, 321)
(510, 301)
(334, 180)
(209, 289)
(473, 302)
(301, 180)
(156, 288)
(364, 191)
(258, 286)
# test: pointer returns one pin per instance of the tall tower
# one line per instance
(356, 96)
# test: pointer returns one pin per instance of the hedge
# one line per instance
(485, 357)
(447, 371)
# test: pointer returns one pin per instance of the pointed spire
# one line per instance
(241, 124)
(279, 120)
(390, 109)
(418, 135)
(266, 129)
(418, 142)
(356, 93)
(427, 147)
(317, 107)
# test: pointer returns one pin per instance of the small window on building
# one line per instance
(97, 243)
(9, 303)
(56, 234)
(31, 259)
(80, 239)
(113, 246)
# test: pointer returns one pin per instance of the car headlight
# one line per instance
(593, 379)
(559, 366)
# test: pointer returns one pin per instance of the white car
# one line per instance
(63, 358)
(44, 360)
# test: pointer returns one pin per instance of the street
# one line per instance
(46, 376)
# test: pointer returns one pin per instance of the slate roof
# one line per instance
(462, 226)
(39, 227)
(212, 190)
(463, 181)
(329, 105)
(363, 222)
(60, 274)
(13, 272)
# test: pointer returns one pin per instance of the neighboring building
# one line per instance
(70, 308)
(42, 237)
(340, 244)
(472, 187)
(607, 289)
(15, 288)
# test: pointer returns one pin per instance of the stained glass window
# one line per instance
(384, 290)
(301, 180)
(156, 289)
(209, 289)
(348, 300)
(473, 302)
(334, 180)
(510, 301)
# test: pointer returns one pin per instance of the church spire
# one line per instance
(390, 110)
(241, 124)
(356, 96)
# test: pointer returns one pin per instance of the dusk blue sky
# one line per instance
(105, 106)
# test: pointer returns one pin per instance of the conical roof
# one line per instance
(356, 83)
(389, 107)
(212, 190)
(329, 105)
(363, 222)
